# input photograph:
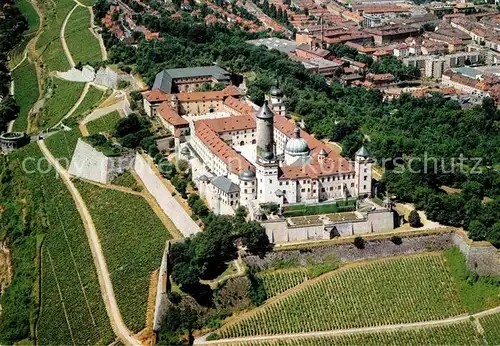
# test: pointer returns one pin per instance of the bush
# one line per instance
(174, 297)
(359, 242)
(396, 240)
(414, 219)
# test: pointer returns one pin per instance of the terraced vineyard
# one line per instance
(397, 290)
(456, 334)
(26, 92)
(70, 295)
(83, 46)
(491, 326)
(276, 282)
(63, 144)
(90, 101)
(133, 239)
(104, 124)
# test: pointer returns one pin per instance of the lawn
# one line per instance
(72, 309)
(458, 334)
(26, 92)
(91, 100)
(478, 293)
(126, 179)
(133, 239)
(49, 44)
(30, 14)
(63, 144)
(105, 124)
(83, 46)
(63, 96)
(396, 290)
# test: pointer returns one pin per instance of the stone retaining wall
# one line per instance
(483, 258)
(161, 290)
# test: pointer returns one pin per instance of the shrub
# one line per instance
(396, 240)
(174, 297)
(414, 219)
(359, 242)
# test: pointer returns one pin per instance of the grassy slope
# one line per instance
(30, 14)
(104, 124)
(63, 97)
(65, 240)
(133, 239)
(477, 293)
(460, 334)
(91, 99)
(26, 92)
(401, 290)
(491, 326)
(49, 43)
(83, 46)
(63, 144)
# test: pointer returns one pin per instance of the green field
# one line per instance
(104, 124)
(92, 98)
(49, 44)
(63, 144)
(83, 46)
(126, 180)
(133, 239)
(63, 96)
(70, 295)
(30, 14)
(26, 92)
(276, 282)
(491, 326)
(400, 290)
(458, 334)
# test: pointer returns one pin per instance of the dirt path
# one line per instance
(391, 327)
(63, 39)
(104, 53)
(105, 284)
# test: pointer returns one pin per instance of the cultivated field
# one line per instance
(63, 96)
(459, 334)
(276, 282)
(92, 98)
(63, 144)
(26, 92)
(49, 44)
(83, 46)
(491, 326)
(133, 239)
(104, 124)
(397, 290)
(70, 295)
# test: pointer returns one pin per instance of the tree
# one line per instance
(359, 242)
(396, 240)
(414, 219)
(128, 125)
(253, 235)
(477, 230)
(186, 273)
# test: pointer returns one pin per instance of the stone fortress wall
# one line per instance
(89, 163)
(279, 231)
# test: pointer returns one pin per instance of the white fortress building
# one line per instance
(260, 156)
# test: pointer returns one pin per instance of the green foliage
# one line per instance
(414, 219)
(26, 92)
(359, 242)
(83, 46)
(490, 326)
(8, 111)
(126, 179)
(478, 293)
(62, 145)
(29, 14)
(394, 66)
(257, 290)
(93, 96)
(324, 208)
(397, 240)
(141, 240)
(105, 146)
(105, 124)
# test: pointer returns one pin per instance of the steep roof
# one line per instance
(163, 80)
(225, 185)
(156, 95)
(171, 116)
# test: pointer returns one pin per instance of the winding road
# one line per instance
(63, 39)
(106, 286)
(392, 327)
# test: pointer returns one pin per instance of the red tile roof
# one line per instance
(171, 116)
(240, 106)
(237, 123)
(156, 95)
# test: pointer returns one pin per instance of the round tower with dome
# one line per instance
(296, 149)
(248, 187)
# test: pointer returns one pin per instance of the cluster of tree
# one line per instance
(204, 255)
(12, 28)
(198, 207)
(404, 128)
(341, 51)
(133, 132)
(394, 66)
(278, 14)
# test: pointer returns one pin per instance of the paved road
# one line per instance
(106, 287)
(167, 203)
(100, 112)
(391, 327)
